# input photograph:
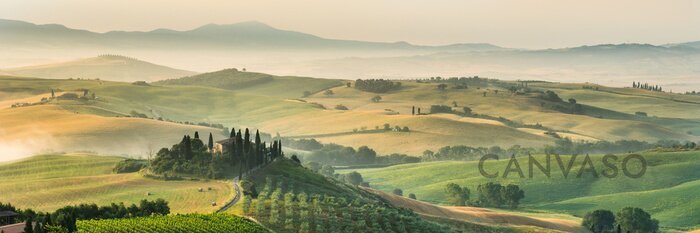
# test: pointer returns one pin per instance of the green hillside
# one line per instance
(49, 182)
(502, 117)
(288, 192)
(670, 175)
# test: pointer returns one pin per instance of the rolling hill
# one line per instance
(255, 83)
(49, 182)
(290, 179)
(665, 190)
(103, 67)
(273, 105)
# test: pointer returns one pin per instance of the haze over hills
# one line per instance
(244, 35)
(105, 67)
(263, 48)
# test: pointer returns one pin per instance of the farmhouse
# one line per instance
(7, 217)
(221, 146)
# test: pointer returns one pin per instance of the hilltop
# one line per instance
(255, 83)
(103, 67)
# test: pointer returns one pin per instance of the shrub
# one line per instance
(341, 107)
(440, 109)
(129, 165)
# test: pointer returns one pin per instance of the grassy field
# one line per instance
(274, 106)
(49, 182)
(666, 190)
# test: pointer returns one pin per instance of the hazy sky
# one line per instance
(511, 23)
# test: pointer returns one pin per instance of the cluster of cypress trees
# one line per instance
(646, 86)
(191, 156)
(249, 154)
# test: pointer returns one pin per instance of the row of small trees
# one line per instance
(646, 86)
(64, 219)
(489, 195)
(280, 208)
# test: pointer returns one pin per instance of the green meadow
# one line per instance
(49, 182)
(666, 190)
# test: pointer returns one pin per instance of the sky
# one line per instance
(510, 23)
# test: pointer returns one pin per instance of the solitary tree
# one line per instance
(397, 191)
(599, 221)
(353, 178)
(636, 220)
(457, 195)
(512, 194)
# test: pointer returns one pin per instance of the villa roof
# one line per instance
(7, 213)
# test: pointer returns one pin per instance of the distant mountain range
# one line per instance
(262, 48)
(245, 35)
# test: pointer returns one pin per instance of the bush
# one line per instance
(397, 191)
(440, 109)
(69, 96)
(341, 107)
(140, 83)
(129, 165)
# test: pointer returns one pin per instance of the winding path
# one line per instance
(237, 190)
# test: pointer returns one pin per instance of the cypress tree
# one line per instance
(279, 148)
(196, 135)
(246, 149)
(183, 147)
(239, 153)
(188, 147)
(29, 226)
(233, 133)
(211, 143)
(258, 148)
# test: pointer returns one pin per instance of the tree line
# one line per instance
(561, 146)
(646, 86)
(64, 219)
(376, 85)
(489, 195)
(337, 155)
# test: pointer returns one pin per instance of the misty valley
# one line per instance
(245, 127)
